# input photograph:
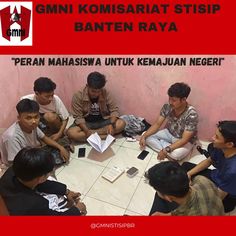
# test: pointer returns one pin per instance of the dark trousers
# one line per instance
(162, 205)
(188, 166)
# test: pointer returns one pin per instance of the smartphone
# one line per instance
(81, 152)
(203, 152)
(142, 155)
(132, 172)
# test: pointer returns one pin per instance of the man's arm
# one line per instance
(42, 208)
(190, 129)
(63, 113)
(77, 112)
(114, 113)
(77, 108)
(199, 167)
(187, 135)
(52, 143)
(60, 133)
(112, 107)
(113, 119)
(52, 187)
(63, 126)
(12, 147)
(152, 130)
(86, 130)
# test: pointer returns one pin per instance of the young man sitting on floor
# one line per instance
(94, 111)
(53, 113)
(25, 187)
(223, 157)
(174, 195)
(178, 137)
(25, 133)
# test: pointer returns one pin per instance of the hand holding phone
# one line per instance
(203, 151)
(143, 155)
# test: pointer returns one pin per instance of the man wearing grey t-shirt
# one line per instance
(176, 140)
(25, 133)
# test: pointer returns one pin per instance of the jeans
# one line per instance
(164, 138)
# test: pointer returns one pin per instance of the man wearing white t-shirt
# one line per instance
(25, 133)
(53, 113)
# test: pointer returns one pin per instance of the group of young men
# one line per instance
(42, 121)
(41, 128)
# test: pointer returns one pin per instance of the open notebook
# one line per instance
(98, 144)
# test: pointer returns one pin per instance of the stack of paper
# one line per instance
(96, 142)
(112, 174)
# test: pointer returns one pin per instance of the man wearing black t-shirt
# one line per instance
(94, 111)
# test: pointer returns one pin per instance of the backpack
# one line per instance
(134, 125)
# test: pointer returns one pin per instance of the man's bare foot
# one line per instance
(103, 136)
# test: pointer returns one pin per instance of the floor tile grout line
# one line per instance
(107, 162)
(107, 203)
(133, 195)
(141, 178)
(95, 179)
(92, 162)
(104, 168)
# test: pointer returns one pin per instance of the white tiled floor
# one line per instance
(131, 196)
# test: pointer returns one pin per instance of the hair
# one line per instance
(179, 90)
(44, 84)
(169, 178)
(27, 105)
(96, 80)
(31, 163)
(228, 130)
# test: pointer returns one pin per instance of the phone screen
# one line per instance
(81, 152)
(143, 154)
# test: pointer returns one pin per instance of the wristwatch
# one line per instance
(168, 149)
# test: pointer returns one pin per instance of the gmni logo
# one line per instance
(16, 23)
